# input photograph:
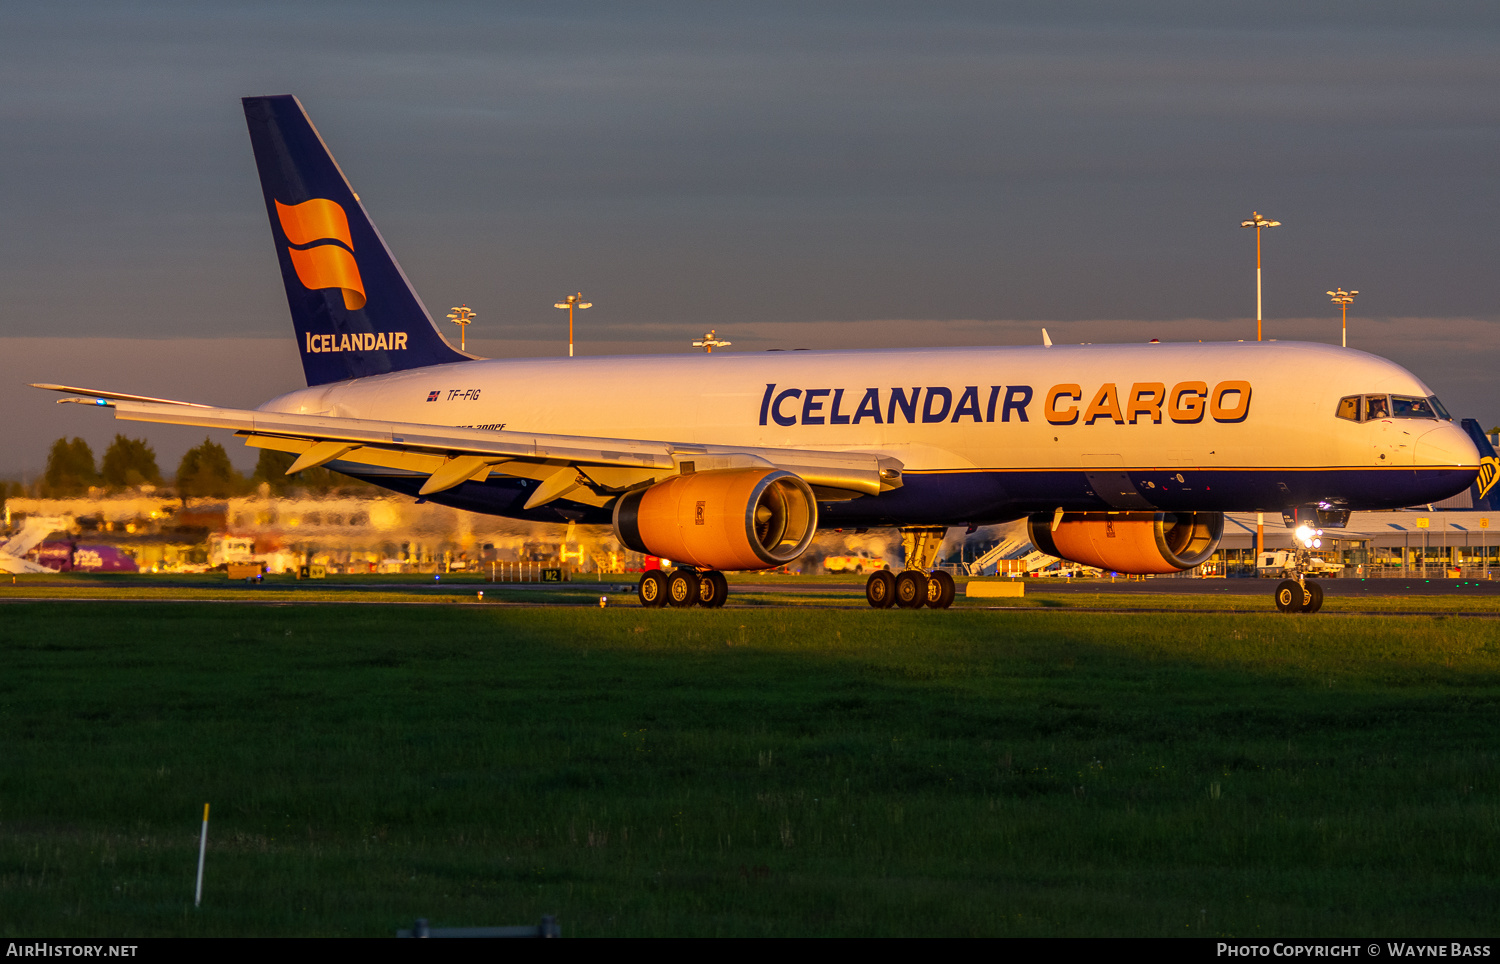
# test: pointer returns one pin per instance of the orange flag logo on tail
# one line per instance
(328, 265)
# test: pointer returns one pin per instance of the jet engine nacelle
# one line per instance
(1131, 542)
(721, 519)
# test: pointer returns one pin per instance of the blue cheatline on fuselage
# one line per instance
(983, 497)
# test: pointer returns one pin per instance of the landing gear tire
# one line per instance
(713, 589)
(880, 590)
(1290, 598)
(911, 589)
(682, 588)
(940, 590)
(652, 589)
(1314, 597)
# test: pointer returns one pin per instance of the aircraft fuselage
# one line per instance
(985, 434)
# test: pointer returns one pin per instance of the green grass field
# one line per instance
(750, 771)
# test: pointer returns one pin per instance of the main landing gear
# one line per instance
(683, 587)
(910, 589)
(918, 584)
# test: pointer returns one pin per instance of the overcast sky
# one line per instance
(794, 175)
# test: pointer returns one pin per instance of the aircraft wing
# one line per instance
(581, 468)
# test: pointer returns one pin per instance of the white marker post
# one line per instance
(202, 849)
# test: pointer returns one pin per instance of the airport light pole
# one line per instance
(1257, 222)
(1344, 299)
(461, 316)
(711, 341)
(571, 302)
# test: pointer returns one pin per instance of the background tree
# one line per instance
(10, 489)
(205, 472)
(271, 468)
(70, 469)
(129, 462)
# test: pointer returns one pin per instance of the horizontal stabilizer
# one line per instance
(119, 396)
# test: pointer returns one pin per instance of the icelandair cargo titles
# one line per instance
(1123, 457)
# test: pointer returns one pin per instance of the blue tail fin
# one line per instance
(354, 311)
(1482, 492)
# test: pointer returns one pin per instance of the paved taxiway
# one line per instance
(1257, 587)
(1174, 587)
(1240, 596)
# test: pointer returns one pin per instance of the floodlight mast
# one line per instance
(1344, 299)
(710, 341)
(462, 317)
(1257, 222)
(571, 302)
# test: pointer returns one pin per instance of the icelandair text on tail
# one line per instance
(358, 341)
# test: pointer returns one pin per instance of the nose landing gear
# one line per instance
(1299, 597)
(1297, 593)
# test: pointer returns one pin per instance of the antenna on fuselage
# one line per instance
(1046, 338)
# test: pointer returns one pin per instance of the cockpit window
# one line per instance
(1365, 408)
(1404, 406)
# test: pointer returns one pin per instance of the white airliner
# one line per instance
(1123, 456)
(13, 551)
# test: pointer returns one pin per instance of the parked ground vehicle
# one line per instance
(1285, 559)
(859, 562)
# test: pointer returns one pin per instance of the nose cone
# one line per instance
(1447, 446)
